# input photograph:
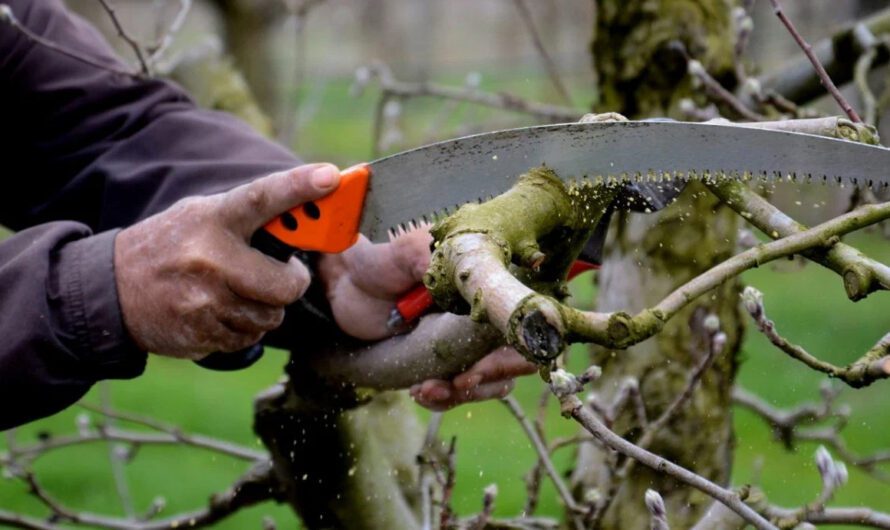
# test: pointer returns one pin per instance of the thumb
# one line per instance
(250, 206)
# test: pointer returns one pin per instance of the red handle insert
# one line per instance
(415, 302)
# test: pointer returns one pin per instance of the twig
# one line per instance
(817, 64)
(573, 406)
(501, 100)
(7, 16)
(480, 522)
(717, 91)
(446, 516)
(872, 366)
(156, 52)
(789, 427)
(716, 340)
(427, 473)
(544, 455)
(619, 329)
(137, 48)
(861, 275)
(32, 452)
(257, 485)
(117, 464)
(860, 72)
(298, 14)
(549, 65)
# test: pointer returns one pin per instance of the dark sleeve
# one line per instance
(88, 151)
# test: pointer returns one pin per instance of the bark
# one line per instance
(642, 75)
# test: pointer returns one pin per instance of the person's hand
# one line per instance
(490, 378)
(362, 285)
(188, 282)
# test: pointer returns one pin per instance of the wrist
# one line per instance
(90, 309)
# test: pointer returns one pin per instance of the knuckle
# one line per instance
(255, 197)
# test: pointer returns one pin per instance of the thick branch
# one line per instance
(441, 346)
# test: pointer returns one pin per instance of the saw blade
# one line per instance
(416, 186)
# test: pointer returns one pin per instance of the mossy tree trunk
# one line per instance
(642, 74)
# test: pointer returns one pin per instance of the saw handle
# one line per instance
(418, 300)
(329, 225)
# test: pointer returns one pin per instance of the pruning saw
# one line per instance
(654, 160)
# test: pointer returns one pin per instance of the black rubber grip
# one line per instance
(238, 360)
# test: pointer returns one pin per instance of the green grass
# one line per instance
(808, 305)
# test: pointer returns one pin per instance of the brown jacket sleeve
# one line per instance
(86, 151)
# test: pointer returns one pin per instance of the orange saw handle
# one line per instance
(329, 224)
(418, 300)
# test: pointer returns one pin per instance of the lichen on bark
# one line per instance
(535, 230)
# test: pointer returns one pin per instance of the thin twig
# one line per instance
(549, 65)
(32, 452)
(544, 455)
(789, 426)
(573, 406)
(117, 464)
(137, 48)
(715, 90)
(6, 15)
(817, 64)
(257, 485)
(156, 52)
(872, 366)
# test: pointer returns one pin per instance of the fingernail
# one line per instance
(324, 177)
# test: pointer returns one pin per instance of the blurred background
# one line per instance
(303, 67)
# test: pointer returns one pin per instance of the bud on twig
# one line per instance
(657, 511)
(563, 383)
(753, 302)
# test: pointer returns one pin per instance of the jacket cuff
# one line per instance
(91, 310)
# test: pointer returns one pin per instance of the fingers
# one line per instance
(248, 207)
(254, 276)
(491, 377)
(503, 363)
(439, 395)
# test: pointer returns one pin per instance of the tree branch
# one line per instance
(136, 47)
(872, 366)
(790, 426)
(7, 16)
(817, 64)
(255, 486)
(544, 455)
(549, 65)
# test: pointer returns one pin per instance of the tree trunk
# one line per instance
(642, 74)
